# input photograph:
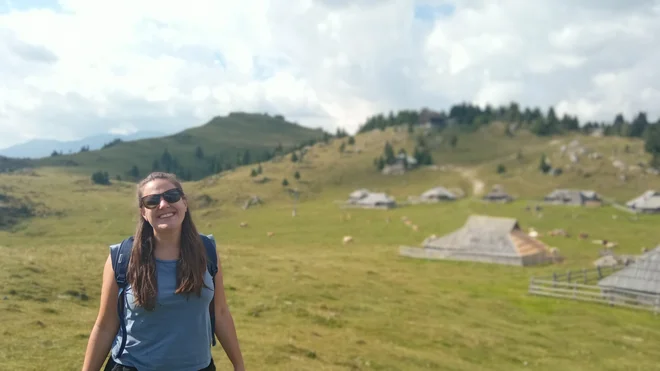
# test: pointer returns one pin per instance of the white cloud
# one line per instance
(95, 66)
(123, 129)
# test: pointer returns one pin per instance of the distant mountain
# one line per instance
(38, 148)
(222, 143)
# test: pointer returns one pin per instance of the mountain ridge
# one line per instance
(39, 148)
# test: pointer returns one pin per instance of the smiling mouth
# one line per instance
(166, 216)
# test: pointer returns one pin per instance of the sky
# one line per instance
(73, 68)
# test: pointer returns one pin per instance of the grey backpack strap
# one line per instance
(120, 255)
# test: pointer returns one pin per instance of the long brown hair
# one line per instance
(191, 265)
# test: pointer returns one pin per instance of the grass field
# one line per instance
(302, 300)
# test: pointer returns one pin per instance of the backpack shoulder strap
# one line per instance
(212, 266)
(120, 254)
(211, 254)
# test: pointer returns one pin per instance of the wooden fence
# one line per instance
(584, 276)
(582, 285)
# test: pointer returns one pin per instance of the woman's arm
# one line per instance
(224, 324)
(107, 322)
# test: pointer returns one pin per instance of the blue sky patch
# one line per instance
(21, 5)
(429, 13)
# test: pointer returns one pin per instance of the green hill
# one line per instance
(222, 143)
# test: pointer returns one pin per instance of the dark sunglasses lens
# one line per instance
(151, 201)
(172, 196)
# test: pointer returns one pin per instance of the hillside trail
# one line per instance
(478, 185)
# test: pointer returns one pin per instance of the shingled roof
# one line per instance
(438, 193)
(641, 276)
(572, 196)
(492, 239)
(358, 194)
(376, 198)
(649, 201)
(365, 198)
(498, 194)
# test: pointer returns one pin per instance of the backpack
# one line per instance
(120, 255)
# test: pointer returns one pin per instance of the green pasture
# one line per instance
(302, 300)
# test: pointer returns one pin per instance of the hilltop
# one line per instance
(222, 143)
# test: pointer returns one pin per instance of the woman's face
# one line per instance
(161, 214)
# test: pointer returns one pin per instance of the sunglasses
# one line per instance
(171, 196)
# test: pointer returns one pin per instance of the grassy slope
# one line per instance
(327, 171)
(10, 164)
(222, 136)
(304, 301)
(524, 180)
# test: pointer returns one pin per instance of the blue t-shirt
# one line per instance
(176, 335)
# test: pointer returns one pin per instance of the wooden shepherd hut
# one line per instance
(486, 239)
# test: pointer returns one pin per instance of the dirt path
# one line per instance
(478, 185)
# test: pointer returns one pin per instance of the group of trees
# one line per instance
(421, 154)
(544, 167)
(101, 177)
(468, 117)
(285, 181)
(350, 141)
(341, 133)
(381, 121)
(258, 171)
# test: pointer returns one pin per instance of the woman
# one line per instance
(168, 293)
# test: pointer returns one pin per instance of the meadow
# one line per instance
(303, 300)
